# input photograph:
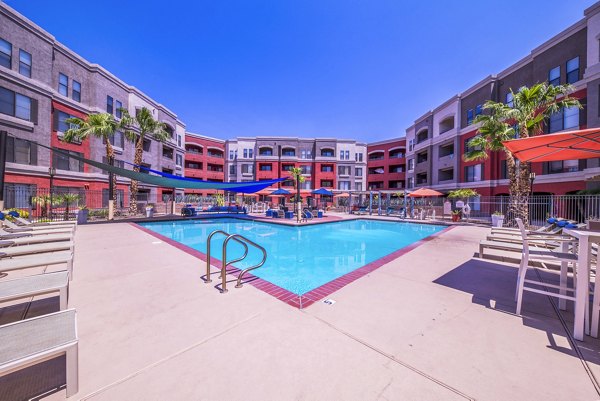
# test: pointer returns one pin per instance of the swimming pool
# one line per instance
(300, 258)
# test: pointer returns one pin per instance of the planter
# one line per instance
(82, 216)
(594, 225)
(149, 212)
(497, 220)
(456, 218)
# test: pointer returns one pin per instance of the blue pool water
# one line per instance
(303, 258)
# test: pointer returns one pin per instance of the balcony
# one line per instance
(215, 175)
(398, 184)
(194, 173)
(193, 157)
(261, 175)
(214, 154)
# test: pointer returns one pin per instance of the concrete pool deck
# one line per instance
(433, 324)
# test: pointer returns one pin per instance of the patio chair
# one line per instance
(37, 239)
(29, 342)
(12, 227)
(39, 284)
(21, 250)
(530, 254)
(8, 264)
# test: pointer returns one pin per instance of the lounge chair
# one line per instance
(38, 239)
(39, 284)
(29, 342)
(20, 221)
(361, 210)
(31, 261)
(22, 250)
(12, 227)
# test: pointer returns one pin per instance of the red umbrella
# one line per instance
(424, 193)
(581, 144)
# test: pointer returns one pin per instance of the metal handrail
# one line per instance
(208, 280)
(238, 237)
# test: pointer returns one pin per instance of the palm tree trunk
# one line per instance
(513, 188)
(110, 154)
(137, 160)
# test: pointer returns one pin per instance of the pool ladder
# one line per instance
(224, 263)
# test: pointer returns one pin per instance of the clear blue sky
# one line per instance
(346, 69)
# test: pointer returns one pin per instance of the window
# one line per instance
(411, 182)
(306, 169)
(474, 173)
(554, 76)
(232, 169)
(344, 185)
(76, 92)
(563, 166)
(503, 170)
(265, 152)
(63, 84)
(247, 169)
(231, 155)
(245, 153)
(510, 99)
(327, 153)
(287, 183)
(573, 70)
(287, 167)
(61, 161)
(179, 159)
(288, 152)
(555, 122)
(344, 170)
(411, 145)
(5, 54)
(411, 164)
(358, 186)
(118, 139)
(167, 152)
(468, 147)
(147, 145)
(347, 155)
(265, 167)
(469, 116)
(358, 171)
(116, 163)
(326, 183)
(179, 140)
(250, 153)
(23, 107)
(24, 63)
(17, 105)
(327, 168)
(306, 185)
(478, 110)
(119, 113)
(21, 151)
(571, 117)
(341, 155)
(306, 154)
(60, 121)
(109, 104)
(358, 157)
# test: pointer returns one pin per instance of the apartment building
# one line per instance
(42, 84)
(386, 165)
(437, 141)
(335, 164)
(204, 160)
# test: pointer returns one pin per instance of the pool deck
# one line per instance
(433, 324)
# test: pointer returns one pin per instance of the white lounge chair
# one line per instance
(37, 239)
(24, 231)
(39, 260)
(12, 228)
(39, 284)
(37, 248)
(29, 342)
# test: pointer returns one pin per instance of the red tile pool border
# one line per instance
(315, 295)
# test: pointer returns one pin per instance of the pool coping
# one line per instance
(314, 295)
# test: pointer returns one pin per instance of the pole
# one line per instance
(51, 172)
(3, 150)
(111, 191)
(298, 201)
(370, 202)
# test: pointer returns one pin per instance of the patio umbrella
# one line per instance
(281, 191)
(322, 191)
(342, 195)
(424, 193)
(580, 144)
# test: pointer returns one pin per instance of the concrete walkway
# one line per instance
(434, 324)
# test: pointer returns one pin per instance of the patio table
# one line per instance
(585, 238)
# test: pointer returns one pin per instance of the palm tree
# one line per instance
(138, 128)
(68, 199)
(296, 173)
(100, 125)
(530, 110)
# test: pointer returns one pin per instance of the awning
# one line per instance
(581, 144)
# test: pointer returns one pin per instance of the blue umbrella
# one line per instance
(322, 191)
(281, 191)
